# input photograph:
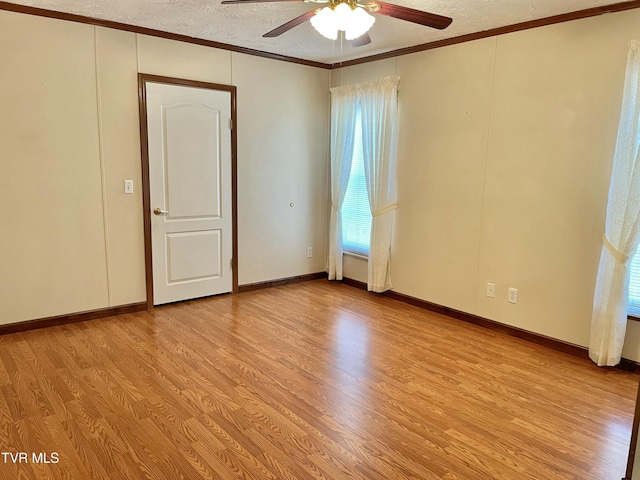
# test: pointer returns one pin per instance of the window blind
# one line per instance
(356, 214)
(634, 287)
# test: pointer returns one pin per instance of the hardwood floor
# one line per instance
(312, 380)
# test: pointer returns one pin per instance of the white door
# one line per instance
(189, 140)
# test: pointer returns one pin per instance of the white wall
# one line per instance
(69, 136)
(504, 164)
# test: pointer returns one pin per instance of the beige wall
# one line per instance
(282, 161)
(69, 136)
(116, 63)
(504, 164)
(50, 177)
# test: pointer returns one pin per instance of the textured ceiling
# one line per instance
(243, 25)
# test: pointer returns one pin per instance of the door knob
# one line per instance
(159, 211)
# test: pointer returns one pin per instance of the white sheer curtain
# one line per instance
(379, 110)
(344, 105)
(620, 241)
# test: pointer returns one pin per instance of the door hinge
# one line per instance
(231, 263)
(231, 124)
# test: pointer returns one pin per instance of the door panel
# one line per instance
(194, 255)
(192, 160)
(189, 143)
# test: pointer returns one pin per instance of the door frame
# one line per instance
(143, 79)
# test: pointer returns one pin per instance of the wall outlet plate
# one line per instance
(513, 295)
(491, 290)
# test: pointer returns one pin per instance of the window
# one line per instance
(634, 287)
(356, 214)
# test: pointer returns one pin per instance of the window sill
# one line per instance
(365, 257)
(633, 317)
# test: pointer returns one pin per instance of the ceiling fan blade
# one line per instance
(361, 40)
(226, 2)
(285, 27)
(411, 15)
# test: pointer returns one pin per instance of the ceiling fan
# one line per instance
(351, 17)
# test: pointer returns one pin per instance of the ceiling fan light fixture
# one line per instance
(342, 16)
(324, 23)
(355, 22)
(360, 23)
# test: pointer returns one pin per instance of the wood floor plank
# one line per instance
(316, 380)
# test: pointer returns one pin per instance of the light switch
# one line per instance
(128, 186)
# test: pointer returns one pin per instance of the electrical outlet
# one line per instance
(491, 290)
(309, 252)
(128, 186)
(513, 295)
